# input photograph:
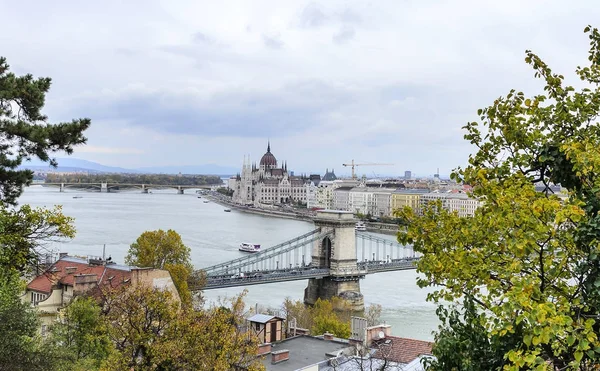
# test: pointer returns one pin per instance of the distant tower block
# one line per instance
(407, 174)
(337, 253)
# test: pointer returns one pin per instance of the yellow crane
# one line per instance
(352, 165)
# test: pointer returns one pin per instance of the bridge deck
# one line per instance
(283, 275)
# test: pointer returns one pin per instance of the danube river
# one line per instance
(117, 219)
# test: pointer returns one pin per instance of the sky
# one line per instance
(206, 82)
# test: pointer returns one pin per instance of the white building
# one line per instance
(383, 202)
(341, 198)
(268, 184)
(459, 202)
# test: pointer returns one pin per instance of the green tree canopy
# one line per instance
(165, 250)
(25, 231)
(25, 131)
(21, 347)
(528, 260)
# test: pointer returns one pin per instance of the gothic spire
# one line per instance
(269, 145)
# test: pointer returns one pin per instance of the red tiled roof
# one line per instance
(402, 350)
(57, 273)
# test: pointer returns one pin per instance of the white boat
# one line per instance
(249, 247)
(205, 201)
(360, 226)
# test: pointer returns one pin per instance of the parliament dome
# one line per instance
(268, 159)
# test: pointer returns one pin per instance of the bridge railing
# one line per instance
(370, 247)
(264, 277)
(264, 255)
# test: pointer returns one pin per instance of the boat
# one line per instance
(205, 201)
(77, 196)
(360, 226)
(199, 196)
(249, 247)
(227, 210)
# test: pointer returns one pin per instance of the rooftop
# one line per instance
(67, 268)
(402, 350)
(304, 351)
(262, 318)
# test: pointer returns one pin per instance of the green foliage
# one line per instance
(529, 260)
(152, 332)
(21, 347)
(321, 317)
(463, 343)
(156, 179)
(225, 191)
(25, 230)
(82, 332)
(25, 131)
(165, 250)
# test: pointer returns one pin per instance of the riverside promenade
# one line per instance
(382, 228)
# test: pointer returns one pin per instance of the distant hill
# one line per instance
(74, 164)
(193, 169)
(66, 164)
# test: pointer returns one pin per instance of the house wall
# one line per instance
(157, 278)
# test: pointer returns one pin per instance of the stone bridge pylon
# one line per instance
(336, 252)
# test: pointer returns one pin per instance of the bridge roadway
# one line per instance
(301, 273)
(107, 186)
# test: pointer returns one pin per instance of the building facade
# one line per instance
(268, 183)
(407, 197)
(452, 201)
(72, 276)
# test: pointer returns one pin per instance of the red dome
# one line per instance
(268, 159)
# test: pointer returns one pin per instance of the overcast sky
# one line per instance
(198, 82)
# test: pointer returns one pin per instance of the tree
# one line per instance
(25, 131)
(528, 260)
(151, 332)
(82, 333)
(373, 314)
(21, 347)
(24, 232)
(321, 317)
(165, 250)
(138, 317)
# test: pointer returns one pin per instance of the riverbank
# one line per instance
(374, 227)
(263, 212)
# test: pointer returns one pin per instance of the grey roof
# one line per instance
(262, 318)
(304, 351)
(74, 259)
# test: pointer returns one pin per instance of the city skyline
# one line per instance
(192, 84)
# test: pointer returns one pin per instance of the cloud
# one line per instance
(191, 81)
(312, 16)
(345, 34)
(201, 38)
(287, 110)
(272, 42)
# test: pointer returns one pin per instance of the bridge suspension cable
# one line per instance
(288, 251)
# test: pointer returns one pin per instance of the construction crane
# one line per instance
(352, 165)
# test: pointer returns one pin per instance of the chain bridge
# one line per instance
(333, 257)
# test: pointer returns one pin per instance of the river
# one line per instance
(117, 219)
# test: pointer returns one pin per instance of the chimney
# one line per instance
(264, 348)
(62, 255)
(280, 356)
(327, 336)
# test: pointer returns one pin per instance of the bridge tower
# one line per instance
(103, 187)
(144, 188)
(62, 187)
(179, 190)
(336, 252)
